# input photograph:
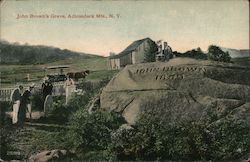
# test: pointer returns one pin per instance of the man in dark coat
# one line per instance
(47, 88)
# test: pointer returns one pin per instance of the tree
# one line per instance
(194, 53)
(216, 54)
(150, 52)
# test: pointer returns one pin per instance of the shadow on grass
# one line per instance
(48, 127)
(50, 119)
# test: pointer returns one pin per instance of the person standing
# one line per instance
(69, 87)
(44, 89)
(26, 98)
(47, 89)
(25, 101)
(16, 99)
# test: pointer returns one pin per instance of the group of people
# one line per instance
(20, 99)
(69, 87)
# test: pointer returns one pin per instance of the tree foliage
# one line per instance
(155, 139)
(150, 52)
(28, 54)
(92, 132)
(194, 53)
(216, 54)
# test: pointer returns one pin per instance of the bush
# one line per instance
(61, 113)
(92, 132)
(5, 106)
(194, 53)
(5, 129)
(154, 139)
(230, 139)
(216, 54)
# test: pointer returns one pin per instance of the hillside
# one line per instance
(235, 53)
(243, 61)
(11, 74)
(35, 54)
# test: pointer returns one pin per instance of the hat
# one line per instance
(32, 85)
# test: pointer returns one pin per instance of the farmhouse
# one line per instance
(134, 53)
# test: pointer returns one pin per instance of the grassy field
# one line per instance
(245, 61)
(13, 74)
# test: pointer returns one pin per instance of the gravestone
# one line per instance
(48, 103)
(179, 89)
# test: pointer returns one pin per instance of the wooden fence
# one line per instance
(58, 89)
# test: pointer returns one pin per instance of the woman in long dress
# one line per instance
(69, 86)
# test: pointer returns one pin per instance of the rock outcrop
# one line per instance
(48, 156)
(179, 89)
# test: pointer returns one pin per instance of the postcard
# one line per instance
(124, 80)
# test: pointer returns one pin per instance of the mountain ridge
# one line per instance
(236, 53)
(35, 54)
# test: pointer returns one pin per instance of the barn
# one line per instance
(134, 53)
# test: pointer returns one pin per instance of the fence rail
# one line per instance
(6, 92)
(58, 89)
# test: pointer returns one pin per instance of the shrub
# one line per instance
(194, 53)
(92, 132)
(154, 139)
(216, 54)
(79, 101)
(5, 129)
(61, 113)
(230, 139)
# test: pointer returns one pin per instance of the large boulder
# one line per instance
(179, 89)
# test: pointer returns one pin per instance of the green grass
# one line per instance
(12, 74)
(102, 74)
(96, 63)
(242, 61)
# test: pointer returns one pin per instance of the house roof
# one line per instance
(132, 47)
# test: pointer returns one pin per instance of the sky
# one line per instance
(184, 24)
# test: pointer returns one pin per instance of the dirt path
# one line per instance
(34, 115)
